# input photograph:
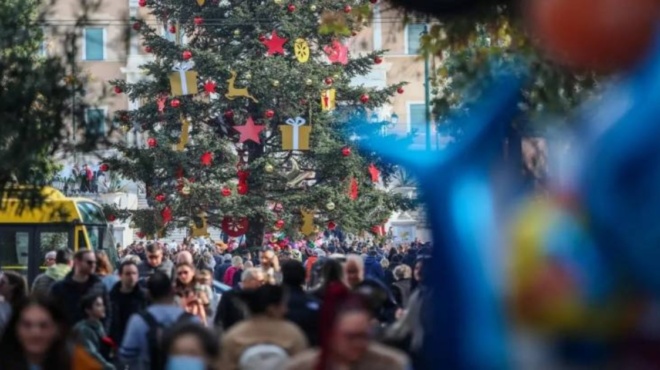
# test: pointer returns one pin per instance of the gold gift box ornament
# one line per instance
(183, 81)
(295, 134)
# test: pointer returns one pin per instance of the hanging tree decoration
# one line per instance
(295, 134)
(166, 214)
(328, 102)
(209, 87)
(183, 80)
(353, 189)
(250, 131)
(183, 140)
(308, 227)
(234, 92)
(337, 52)
(235, 226)
(301, 49)
(374, 172)
(275, 44)
(206, 159)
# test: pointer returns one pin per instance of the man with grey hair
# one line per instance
(230, 311)
(50, 258)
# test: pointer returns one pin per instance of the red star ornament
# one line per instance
(206, 159)
(209, 87)
(374, 172)
(249, 131)
(235, 226)
(337, 52)
(275, 44)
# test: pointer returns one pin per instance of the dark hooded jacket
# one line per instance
(68, 293)
(123, 306)
(373, 269)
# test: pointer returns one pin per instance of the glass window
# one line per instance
(91, 213)
(414, 34)
(417, 117)
(51, 241)
(94, 44)
(95, 121)
(14, 250)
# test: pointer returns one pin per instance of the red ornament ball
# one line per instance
(172, 28)
(142, 3)
(242, 189)
(148, 49)
(225, 191)
(279, 224)
(160, 198)
(348, 9)
(175, 103)
(111, 217)
(152, 142)
(291, 8)
(332, 225)
(364, 98)
(206, 159)
(186, 55)
(345, 151)
(229, 114)
(137, 26)
(198, 20)
(400, 90)
(118, 90)
(600, 35)
(328, 81)
(270, 113)
(378, 60)
(104, 167)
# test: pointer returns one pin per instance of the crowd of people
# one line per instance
(191, 306)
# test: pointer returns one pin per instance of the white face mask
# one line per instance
(185, 363)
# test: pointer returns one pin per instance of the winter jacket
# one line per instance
(230, 311)
(228, 279)
(68, 293)
(145, 269)
(304, 311)
(43, 282)
(308, 267)
(373, 269)
(5, 314)
(89, 334)
(402, 290)
(123, 306)
(377, 357)
(219, 271)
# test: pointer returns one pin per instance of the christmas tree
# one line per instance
(250, 113)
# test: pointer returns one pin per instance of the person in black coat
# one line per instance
(230, 310)
(78, 283)
(303, 309)
(220, 269)
(126, 298)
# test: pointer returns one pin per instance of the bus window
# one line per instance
(14, 248)
(82, 244)
(93, 233)
(51, 241)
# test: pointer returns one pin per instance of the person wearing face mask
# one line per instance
(35, 337)
(190, 347)
(89, 332)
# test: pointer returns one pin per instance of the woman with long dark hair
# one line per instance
(13, 289)
(36, 337)
(191, 296)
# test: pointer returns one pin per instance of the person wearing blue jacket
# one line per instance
(372, 266)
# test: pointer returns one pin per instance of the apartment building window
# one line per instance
(94, 43)
(95, 120)
(413, 34)
(417, 117)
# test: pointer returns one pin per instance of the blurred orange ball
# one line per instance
(600, 35)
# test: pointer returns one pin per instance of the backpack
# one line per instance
(155, 334)
(263, 356)
(228, 279)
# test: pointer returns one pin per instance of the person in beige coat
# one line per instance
(346, 342)
(265, 340)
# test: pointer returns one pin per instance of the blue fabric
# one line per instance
(373, 269)
(185, 363)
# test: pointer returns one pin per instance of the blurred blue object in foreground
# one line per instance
(620, 174)
(467, 331)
